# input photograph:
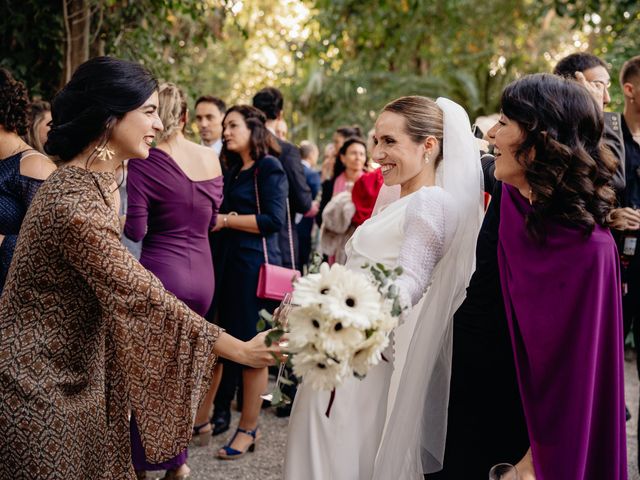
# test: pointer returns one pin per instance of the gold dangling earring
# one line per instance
(104, 153)
(426, 159)
(530, 195)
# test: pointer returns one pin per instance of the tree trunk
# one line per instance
(77, 23)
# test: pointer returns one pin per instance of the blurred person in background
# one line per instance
(209, 113)
(39, 124)
(309, 153)
(282, 130)
(173, 200)
(22, 168)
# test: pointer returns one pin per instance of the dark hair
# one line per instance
(349, 131)
(577, 62)
(38, 109)
(571, 169)
(14, 104)
(269, 100)
(338, 166)
(630, 70)
(261, 141)
(101, 91)
(218, 102)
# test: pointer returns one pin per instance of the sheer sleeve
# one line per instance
(423, 245)
(163, 350)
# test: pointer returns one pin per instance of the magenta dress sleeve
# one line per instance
(135, 226)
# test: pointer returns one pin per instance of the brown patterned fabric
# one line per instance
(86, 335)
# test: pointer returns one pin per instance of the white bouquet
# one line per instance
(341, 323)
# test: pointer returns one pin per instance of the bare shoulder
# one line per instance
(36, 165)
(208, 159)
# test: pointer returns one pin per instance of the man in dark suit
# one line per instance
(270, 101)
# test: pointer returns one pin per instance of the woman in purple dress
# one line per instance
(173, 201)
(560, 278)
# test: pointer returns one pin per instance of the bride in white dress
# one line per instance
(391, 424)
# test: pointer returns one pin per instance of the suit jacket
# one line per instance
(299, 197)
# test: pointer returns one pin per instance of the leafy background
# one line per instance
(337, 61)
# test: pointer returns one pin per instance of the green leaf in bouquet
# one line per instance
(275, 335)
(285, 381)
(398, 270)
(277, 398)
(261, 325)
(266, 316)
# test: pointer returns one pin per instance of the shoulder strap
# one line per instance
(289, 229)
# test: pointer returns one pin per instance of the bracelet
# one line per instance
(225, 220)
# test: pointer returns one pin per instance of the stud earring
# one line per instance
(104, 153)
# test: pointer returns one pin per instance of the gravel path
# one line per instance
(266, 462)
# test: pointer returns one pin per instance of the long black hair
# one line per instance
(101, 91)
(567, 166)
(261, 141)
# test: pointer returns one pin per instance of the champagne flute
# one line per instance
(280, 320)
(503, 471)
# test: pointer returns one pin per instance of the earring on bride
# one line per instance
(104, 153)
(426, 158)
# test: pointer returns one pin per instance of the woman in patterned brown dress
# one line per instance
(86, 333)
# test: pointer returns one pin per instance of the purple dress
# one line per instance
(172, 215)
(564, 309)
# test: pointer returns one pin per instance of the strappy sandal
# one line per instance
(228, 453)
(201, 438)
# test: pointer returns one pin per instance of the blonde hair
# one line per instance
(171, 110)
(39, 109)
(423, 118)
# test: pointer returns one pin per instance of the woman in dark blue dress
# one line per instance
(22, 169)
(249, 152)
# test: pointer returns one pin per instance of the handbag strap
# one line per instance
(289, 229)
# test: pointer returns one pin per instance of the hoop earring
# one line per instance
(104, 153)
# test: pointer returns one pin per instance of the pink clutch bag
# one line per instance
(275, 282)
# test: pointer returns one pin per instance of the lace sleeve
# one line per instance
(424, 244)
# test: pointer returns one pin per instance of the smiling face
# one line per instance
(599, 76)
(235, 133)
(508, 136)
(401, 158)
(354, 158)
(133, 135)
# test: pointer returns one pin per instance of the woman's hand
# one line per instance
(525, 467)
(256, 353)
(219, 223)
(624, 219)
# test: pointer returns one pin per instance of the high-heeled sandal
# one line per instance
(228, 453)
(200, 438)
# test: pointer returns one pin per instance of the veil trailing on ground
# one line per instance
(414, 436)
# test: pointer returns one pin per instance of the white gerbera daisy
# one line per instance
(319, 371)
(340, 341)
(305, 326)
(369, 353)
(352, 297)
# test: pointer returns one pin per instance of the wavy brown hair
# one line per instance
(261, 141)
(567, 165)
(14, 104)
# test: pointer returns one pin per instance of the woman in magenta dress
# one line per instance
(173, 200)
(560, 277)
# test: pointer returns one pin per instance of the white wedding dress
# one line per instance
(413, 232)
